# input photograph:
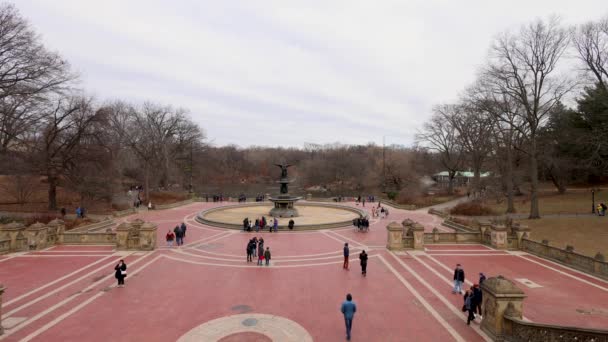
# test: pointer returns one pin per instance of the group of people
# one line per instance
(80, 212)
(362, 223)
(262, 223)
(178, 234)
(473, 297)
(136, 199)
(255, 247)
(380, 211)
(601, 209)
(216, 198)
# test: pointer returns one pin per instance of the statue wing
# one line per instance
(279, 165)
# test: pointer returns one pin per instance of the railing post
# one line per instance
(395, 236)
(499, 236)
(418, 232)
(500, 297)
(122, 233)
(521, 231)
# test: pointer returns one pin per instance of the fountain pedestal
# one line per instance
(284, 203)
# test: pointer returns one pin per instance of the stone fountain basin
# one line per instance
(312, 215)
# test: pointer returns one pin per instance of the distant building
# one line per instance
(462, 178)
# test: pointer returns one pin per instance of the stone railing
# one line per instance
(503, 313)
(398, 206)
(522, 331)
(125, 212)
(5, 246)
(88, 238)
(94, 227)
(454, 237)
(173, 205)
(596, 266)
(439, 213)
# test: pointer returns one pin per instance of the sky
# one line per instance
(285, 73)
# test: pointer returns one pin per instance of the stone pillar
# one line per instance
(36, 235)
(56, 230)
(147, 236)
(2, 288)
(500, 294)
(122, 234)
(15, 232)
(395, 236)
(435, 235)
(418, 232)
(483, 227)
(499, 236)
(521, 231)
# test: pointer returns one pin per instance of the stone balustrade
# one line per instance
(503, 306)
(2, 288)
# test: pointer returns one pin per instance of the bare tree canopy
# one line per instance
(591, 43)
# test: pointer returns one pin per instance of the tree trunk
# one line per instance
(52, 180)
(534, 211)
(451, 176)
(147, 182)
(509, 181)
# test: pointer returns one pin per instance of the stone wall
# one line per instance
(522, 331)
(596, 266)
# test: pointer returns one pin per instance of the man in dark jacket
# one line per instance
(458, 279)
(346, 254)
(477, 299)
(363, 259)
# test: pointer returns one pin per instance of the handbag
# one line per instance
(124, 273)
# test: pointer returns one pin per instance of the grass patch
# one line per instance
(550, 202)
(473, 208)
(167, 197)
(588, 235)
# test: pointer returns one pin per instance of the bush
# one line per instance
(42, 218)
(472, 209)
(392, 195)
(166, 197)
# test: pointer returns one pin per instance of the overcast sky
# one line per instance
(283, 72)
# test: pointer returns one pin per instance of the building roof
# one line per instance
(466, 174)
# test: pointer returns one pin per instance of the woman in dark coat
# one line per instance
(363, 259)
(121, 273)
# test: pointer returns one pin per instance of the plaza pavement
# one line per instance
(206, 290)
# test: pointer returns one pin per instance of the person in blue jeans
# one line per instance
(348, 309)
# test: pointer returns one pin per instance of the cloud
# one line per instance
(285, 73)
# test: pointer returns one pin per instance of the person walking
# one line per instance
(469, 306)
(458, 279)
(120, 272)
(183, 227)
(250, 248)
(260, 255)
(276, 225)
(291, 224)
(170, 237)
(348, 309)
(363, 259)
(346, 254)
(477, 300)
(267, 256)
(482, 278)
(178, 236)
(255, 246)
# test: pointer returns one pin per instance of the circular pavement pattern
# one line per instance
(248, 327)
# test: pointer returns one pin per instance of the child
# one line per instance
(267, 255)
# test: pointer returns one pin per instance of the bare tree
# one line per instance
(522, 67)
(441, 136)
(66, 124)
(28, 72)
(591, 43)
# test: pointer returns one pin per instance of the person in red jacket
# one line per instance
(170, 237)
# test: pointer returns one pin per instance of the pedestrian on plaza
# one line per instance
(255, 246)
(170, 237)
(348, 309)
(257, 225)
(458, 279)
(270, 228)
(468, 306)
(120, 273)
(363, 259)
(63, 212)
(250, 226)
(482, 278)
(276, 225)
(245, 223)
(183, 227)
(78, 212)
(179, 238)
(477, 300)
(267, 256)
(260, 255)
(291, 224)
(250, 249)
(346, 254)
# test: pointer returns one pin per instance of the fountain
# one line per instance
(284, 202)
